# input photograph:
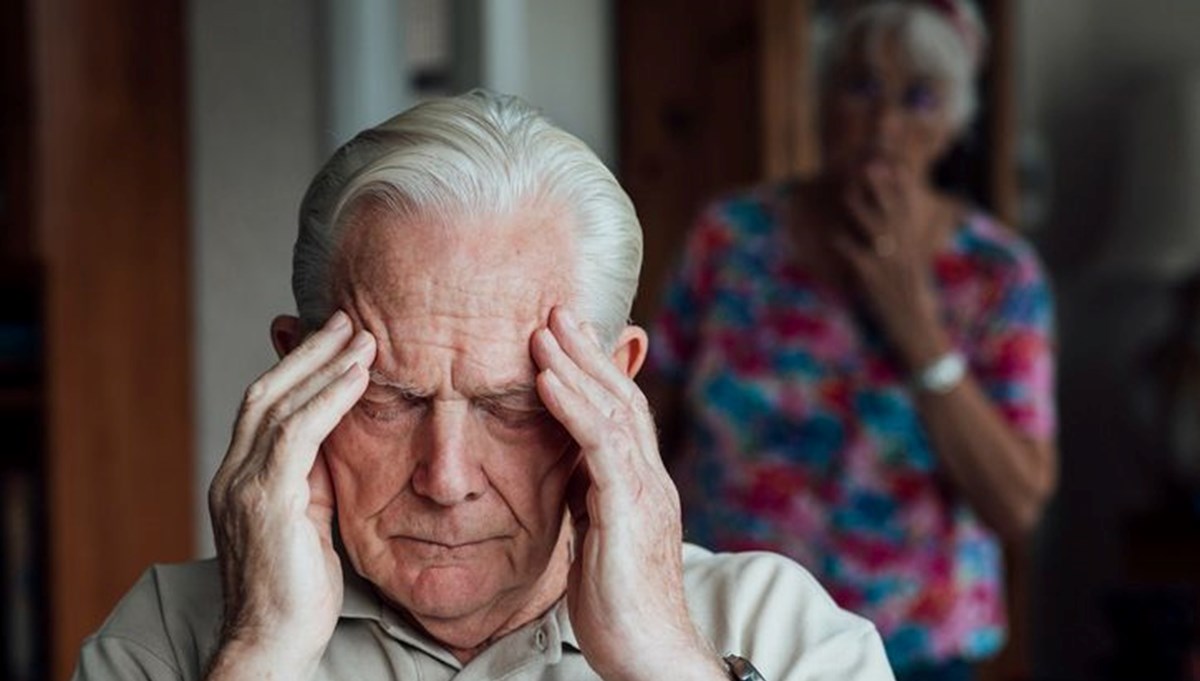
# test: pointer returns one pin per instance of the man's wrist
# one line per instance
(706, 667)
(239, 659)
(700, 664)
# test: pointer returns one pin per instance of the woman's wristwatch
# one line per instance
(941, 375)
(740, 669)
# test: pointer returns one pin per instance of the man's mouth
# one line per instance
(433, 548)
(444, 544)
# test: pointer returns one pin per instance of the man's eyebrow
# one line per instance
(491, 395)
(507, 392)
(406, 389)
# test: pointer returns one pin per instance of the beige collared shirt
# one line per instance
(758, 605)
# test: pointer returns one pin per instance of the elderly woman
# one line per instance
(856, 370)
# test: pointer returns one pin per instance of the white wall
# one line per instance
(263, 117)
(578, 92)
(363, 66)
(254, 146)
(557, 55)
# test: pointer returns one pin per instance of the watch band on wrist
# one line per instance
(740, 669)
(941, 375)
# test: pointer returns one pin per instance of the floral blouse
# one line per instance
(802, 437)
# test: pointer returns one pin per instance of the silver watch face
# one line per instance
(740, 669)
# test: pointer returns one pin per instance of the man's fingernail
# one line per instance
(339, 320)
(568, 318)
(590, 332)
(361, 341)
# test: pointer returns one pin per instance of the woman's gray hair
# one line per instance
(477, 154)
(947, 46)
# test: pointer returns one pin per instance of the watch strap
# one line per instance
(740, 669)
(941, 375)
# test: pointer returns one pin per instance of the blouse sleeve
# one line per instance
(687, 296)
(1013, 358)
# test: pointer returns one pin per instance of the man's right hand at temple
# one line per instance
(272, 505)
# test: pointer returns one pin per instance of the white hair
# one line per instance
(946, 48)
(480, 154)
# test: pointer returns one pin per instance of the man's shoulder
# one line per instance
(755, 569)
(771, 610)
(171, 614)
(184, 592)
(742, 574)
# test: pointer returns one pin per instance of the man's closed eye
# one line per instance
(389, 407)
(516, 418)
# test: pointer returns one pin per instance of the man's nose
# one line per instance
(449, 471)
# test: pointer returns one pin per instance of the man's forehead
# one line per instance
(478, 289)
(519, 259)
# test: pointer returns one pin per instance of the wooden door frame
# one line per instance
(109, 223)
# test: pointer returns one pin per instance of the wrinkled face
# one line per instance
(883, 109)
(449, 474)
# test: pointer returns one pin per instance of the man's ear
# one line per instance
(630, 353)
(285, 334)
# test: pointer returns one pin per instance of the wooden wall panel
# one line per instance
(110, 221)
(789, 126)
(688, 73)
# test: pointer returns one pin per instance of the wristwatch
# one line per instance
(941, 375)
(740, 669)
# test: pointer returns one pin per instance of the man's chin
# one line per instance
(457, 594)
(458, 606)
(447, 592)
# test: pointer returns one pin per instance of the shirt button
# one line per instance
(539, 639)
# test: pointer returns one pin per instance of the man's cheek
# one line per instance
(555, 484)
(556, 444)
(366, 470)
(550, 462)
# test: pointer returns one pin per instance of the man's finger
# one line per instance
(606, 452)
(587, 353)
(360, 350)
(315, 351)
(320, 490)
(581, 346)
(548, 353)
(299, 437)
(600, 445)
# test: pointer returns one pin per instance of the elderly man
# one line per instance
(451, 473)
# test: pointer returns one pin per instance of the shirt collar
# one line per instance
(562, 617)
(360, 600)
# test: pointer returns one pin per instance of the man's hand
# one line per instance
(625, 590)
(272, 508)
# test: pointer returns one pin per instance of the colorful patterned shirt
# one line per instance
(801, 435)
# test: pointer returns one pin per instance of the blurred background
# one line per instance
(155, 151)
